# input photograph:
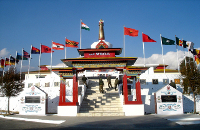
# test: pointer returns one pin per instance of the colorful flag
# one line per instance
(19, 57)
(190, 45)
(26, 54)
(146, 38)
(130, 32)
(166, 41)
(57, 46)
(2, 63)
(193, 51)
(184, 44)
(35, 50)
(179, 42)
(12, 60)
(45, 49)
(7, 62)
(84, 26)
(197, 59)
(69, 43)
(198, 53)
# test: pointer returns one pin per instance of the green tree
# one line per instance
(190, 77)
(11, 84)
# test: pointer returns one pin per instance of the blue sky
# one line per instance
(30, 22)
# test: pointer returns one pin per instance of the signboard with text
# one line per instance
(99, 54)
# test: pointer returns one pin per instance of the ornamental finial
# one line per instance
(101, 31)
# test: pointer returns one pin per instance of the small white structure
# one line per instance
(33, 101)
(168, 101)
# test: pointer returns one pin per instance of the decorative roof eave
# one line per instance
(137, 68)
(100, 59)
(63, 69)
(37, 72)
(129, 60)
(118, 51)
(166, 70)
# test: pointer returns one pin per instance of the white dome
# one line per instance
(95, 44)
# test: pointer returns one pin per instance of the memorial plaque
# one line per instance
(47, 84)
(56, 84)
(30, 84)
(32, 99)
(168, 98)
(155, 81)
(165, 81)
(177, 81)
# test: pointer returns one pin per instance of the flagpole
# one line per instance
(80, 34)
(39, 59)
(177, 54)
(4, 66)
(29, 62)
(21, 65)
(51, 55)
(124, 45)
(15, 61)
(65, 49)
(184, 52)
(143, 51)
(9, 63)
(162, 53)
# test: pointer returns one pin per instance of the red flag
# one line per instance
(146, 38)
(69, 43)
(130, 32)
(57, 46)
(45, 49)
(35, 50)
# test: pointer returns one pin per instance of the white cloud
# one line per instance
(4, 52)
(170, 58)
(61, 64)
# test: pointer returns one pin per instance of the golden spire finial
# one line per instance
(101, 31)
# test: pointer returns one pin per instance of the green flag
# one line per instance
(166, 41)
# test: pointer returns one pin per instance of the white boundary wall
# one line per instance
(147, 92)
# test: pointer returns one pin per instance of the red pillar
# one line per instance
(138, 92)
(62, 101)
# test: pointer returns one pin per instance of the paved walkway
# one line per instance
(185, 121)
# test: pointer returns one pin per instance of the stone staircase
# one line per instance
(101, 104)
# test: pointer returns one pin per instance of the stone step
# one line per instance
(102, 114)
(104, 105)
(101, 104)
(102, 109)
(99, 98)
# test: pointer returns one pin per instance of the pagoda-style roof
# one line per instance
(117, 51)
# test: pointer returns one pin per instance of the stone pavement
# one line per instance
(116, 122)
